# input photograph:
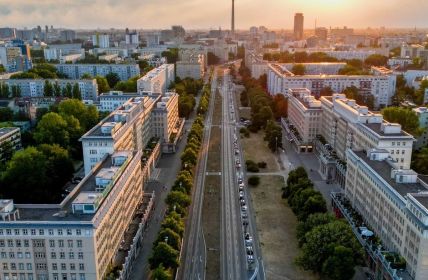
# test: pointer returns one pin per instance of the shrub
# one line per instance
(262, 164)
(254, 180)
(252, 166)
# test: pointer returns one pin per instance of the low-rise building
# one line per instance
(110, 101)
(10, 140)
(76, 71)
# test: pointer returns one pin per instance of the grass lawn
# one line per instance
(211, 225)
(256, 149)
(276, 225)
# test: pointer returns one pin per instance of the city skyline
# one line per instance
(153, 14)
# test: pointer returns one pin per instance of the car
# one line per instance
(243, 203)
(240, 180)
(241, 188)
(244, 215)
(250, 258)
(241, 184)
(247, 235)
(249, 241)
(244, 207)
(249, 250)
(241, 194)
(238, 165)
(245, 223)
(236, 152)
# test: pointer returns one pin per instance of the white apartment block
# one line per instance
(76, 71)
(422, 113)
(347, 125)
(166, 124)
(55, 52)
(381, 85)
(126, 128)
(110, 101)
(11, 135)
(393, 202)
(101, 40)
(121, 52)
(194, 70)
(304, 114)
(157, 80)
(35, 87)
(78, 238)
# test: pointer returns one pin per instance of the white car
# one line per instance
(241, 194)
(244, 207)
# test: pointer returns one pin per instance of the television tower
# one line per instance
(233, 17)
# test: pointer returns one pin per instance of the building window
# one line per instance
(33, 232)
(51, 232)
(54, 266)
(5, 266)
(71, 255)
(53, 255)
(70, 243)
(81, 266)
(63, 266)
(26, 243)
(82, 276)
(13, 266)
(29, 266)
(9, 243)
(25, 232)
(61, 255)
(52, 243)
(8, 231)
(79, 243)
(11, 255)
(2, 243)
(20, 255)
(59, 231)
(60, 243)
(69, 232)
(21, 266)
(72, 266)
(80, 255)
(41, 232)
(18, 243)
(27, 255)
(78, 232)
(16, 231)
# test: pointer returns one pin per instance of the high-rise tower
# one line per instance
(233, 17)
(298, 26)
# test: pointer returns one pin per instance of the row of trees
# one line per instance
(406, 117)
(54, 89)
(166, 248)
(404, 92)
(8, 92)
(40, 71)
(186, 89)
(328, 246)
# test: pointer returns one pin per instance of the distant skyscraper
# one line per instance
(233, 17)
(298, 26)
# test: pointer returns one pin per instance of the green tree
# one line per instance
(189, 157)
(56, 89)
(405, 117)
(48, 89)
(326, 91)
(280, 106)
(76, 92)
(102, 84)
(160, 273)
(87, 115)
(86, 76)
(2, 69)
(52, 129)
(376, 60)
(340, 265)
(164, 254)
(298, 69)
(68, 90)
(311, 222)
(112, 79)
(178, 198)
(171, 55)
(320, 244)
(6, 114)
(184, 182)
(172, 238)
(273, 135)
(173, 223)
(420, 161)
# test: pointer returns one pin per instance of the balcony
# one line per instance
(387, 264)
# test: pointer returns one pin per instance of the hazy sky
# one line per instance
(212, 14)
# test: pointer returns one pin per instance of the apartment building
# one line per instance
(110, 101)
(347, 125)
(422, 113)
(393, 202)
(79, 238)
(166, 124)
(381, 84)
(157, 80)
(304, 118)
(126, 128)
(101, 40)
(10, 135)
(321, 68)
(35, 87)
(76, 71)
(56, 51)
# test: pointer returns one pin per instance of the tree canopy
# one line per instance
(407, 118)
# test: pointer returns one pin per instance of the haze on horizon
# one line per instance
(204, 14)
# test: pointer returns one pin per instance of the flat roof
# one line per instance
(376, 127)
(383, 169)
(6, 130)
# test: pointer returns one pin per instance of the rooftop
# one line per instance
(383, 169)
(6, 130)
(86, 192)
(378, 129)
